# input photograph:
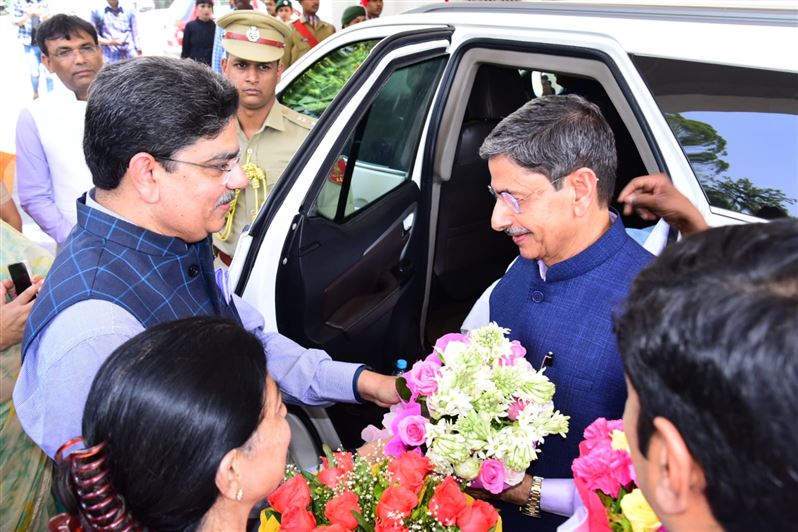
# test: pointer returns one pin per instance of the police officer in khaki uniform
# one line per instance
(306, 32)
(268, 132)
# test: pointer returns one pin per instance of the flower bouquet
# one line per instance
(606, 481)
(476, 408)
(372, 495)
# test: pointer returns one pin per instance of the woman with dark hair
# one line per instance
(176, 436)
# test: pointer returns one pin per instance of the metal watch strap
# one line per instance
(532, 506)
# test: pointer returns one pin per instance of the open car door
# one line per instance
(336, 258)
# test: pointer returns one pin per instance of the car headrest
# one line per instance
(497, 92)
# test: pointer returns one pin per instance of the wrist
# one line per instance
(358, 383)
(692, 224)
(531, 507)
(517, 494)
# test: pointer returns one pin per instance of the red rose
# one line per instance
(339, 510)
(331, 528)
(393, 526)
(297, 519)
(447, 502)
(396, 503)
(294, 493)
(344, 460)
(409, 469)
(479, 517)
(331, 476)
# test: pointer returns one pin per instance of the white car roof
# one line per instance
(762, 37)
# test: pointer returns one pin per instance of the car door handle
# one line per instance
(391, 228)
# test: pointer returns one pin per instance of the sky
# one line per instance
(761, 146)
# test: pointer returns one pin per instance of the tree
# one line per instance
(705, 148)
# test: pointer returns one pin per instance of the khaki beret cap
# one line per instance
(253, 36)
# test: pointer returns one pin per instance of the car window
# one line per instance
(313, 90)
(378, 155)
(738, 128)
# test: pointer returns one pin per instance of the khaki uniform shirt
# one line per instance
(296, 45)
(270, 148)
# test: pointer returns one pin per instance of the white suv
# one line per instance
(708, 95)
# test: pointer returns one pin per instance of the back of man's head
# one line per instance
(555, 135)
(709, 340)
(62, 26)
(156, 105)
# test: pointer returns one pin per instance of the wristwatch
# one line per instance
(532, 506)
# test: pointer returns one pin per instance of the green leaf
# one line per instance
(328, 453)
(402, 389)
(363, 523)
(271, 512)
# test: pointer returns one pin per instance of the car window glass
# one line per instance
(313, 90)
(738, 128)
(380, 152)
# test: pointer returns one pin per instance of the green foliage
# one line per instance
(402, 389)
(741, 195)
(364, 525)
(313, 91)
(617, 521)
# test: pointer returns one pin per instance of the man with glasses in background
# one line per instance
(552, 165)
(51, 169)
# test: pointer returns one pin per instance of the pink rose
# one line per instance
(396, 446)
(600, 431)
(443, 341)
(603, 468)
(516, 408)
(491, 476)
(517, 352)
(434, 359)
(413, 430)
(423, 378)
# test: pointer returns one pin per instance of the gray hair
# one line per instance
(555, 135)
(157, 105)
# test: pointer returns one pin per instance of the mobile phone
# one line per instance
(19, 276)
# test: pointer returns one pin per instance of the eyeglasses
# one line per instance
(69, 53)
(513, 202)
(218, 167)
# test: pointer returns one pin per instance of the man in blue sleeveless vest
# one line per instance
(552, 166)
(160, 141)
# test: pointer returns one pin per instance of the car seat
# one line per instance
(469, 255)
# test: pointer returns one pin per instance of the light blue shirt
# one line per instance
(61, 363)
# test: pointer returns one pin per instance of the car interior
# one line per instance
(460, 273)
(370, 286)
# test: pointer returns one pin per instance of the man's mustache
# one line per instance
(516, 231)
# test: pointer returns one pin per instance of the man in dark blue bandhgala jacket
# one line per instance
(552, 166)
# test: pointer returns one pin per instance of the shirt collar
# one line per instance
(597, 253)
(108, 225)
(119, 8)
(274, 120)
